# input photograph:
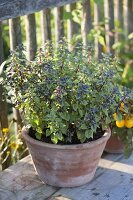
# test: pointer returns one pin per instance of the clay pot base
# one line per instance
(66, 165)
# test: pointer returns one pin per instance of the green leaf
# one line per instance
(101, 40)
(94, 128)
(67, 15)
(83, 127)
(48, 133)
(130, 36)
(100, 2)
(75, 107)
(59, 136)
(81, 136)
(54, 139)
(84, 102)
(117, 45)
(67, 104)
(117, 23)
(89, 133)
(106, 112)
(108, 120)
(63, 128)
(104, 126)
(52, 128)
(127, 150)
(65, 116)
(36, 122)
(39, 130)
(81, 112)
(38, 135)
(126, 109)
(76, 16)
(74, 117)
(119, 117)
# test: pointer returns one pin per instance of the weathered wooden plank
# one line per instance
(130, 16)
(119, 18)
(13, 8)
(72, 27)
(118, 13)
(59, 26)
(109, 27)
(45, 25)
(14, 33)
(21, 182)
(69, 27)
(31, 36)
(86, 21)
(97, 19)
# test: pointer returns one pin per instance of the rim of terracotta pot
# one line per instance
(88, 145)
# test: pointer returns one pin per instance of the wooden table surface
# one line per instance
(113, 181)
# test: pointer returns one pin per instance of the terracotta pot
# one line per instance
(114, 145)
(65, 165)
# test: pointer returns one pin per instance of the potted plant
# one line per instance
(67, 100)
(122, 129)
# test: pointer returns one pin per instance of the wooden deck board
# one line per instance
(113, 181)
(20, 182)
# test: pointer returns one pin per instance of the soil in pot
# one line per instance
(65, 165)
(69, 139)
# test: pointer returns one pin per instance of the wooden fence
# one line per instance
(118, 12)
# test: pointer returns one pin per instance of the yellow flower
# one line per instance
(14, 145)
(122, 107)
(8, 152)
(115, 116)
(5, 130)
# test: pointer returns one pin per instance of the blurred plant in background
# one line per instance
(123, 125)
(11, 144)
(124, 49)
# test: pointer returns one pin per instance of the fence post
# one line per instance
(128, 26)
(69, 27)
(72, 27)
(14, 33)
(59, 26)
(31, 36)
(119, 35)
(15, 40)
(109, 27)
(86, 21)
(3, 115)
(97, 19)
(118, 13)
(45, 25)
(130, 23)
(128, 16)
